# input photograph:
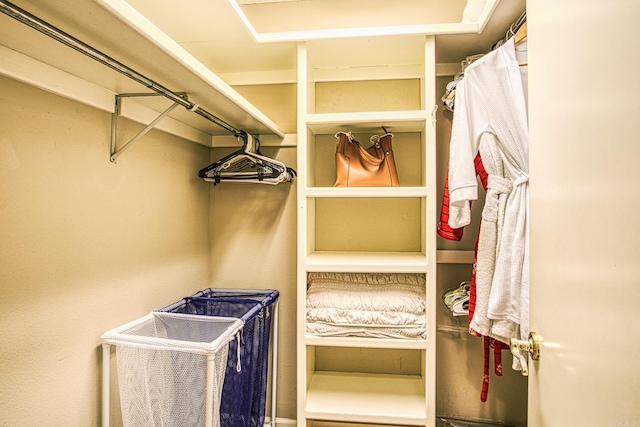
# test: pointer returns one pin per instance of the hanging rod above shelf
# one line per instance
(55, 33)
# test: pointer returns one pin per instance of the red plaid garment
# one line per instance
(445, 231)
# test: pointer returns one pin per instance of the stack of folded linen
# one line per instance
(381, 305)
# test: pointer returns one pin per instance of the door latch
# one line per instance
(520, 348)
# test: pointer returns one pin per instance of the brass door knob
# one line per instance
(519, 349)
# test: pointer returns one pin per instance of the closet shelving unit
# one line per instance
(365, 230)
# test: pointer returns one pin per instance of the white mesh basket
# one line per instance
(171, 368)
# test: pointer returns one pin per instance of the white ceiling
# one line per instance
(309, 15)
(216, 35)
(212, 32)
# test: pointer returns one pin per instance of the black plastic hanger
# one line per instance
(247, 164)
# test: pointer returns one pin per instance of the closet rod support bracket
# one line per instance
(114, 153)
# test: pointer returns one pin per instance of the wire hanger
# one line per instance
(247, 165)
(513, 29)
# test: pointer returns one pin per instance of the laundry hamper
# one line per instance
(244, 393)
(171, 368)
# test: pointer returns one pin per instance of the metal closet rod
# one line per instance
(68, 40)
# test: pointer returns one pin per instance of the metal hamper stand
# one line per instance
(181, 344)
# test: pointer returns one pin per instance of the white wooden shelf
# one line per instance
(361, 342)
(366, 398)
(372, 262)
(396, 121)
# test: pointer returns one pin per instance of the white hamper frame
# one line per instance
(115, 336)
(106, 372)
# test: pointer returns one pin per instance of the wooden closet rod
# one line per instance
(55, 33)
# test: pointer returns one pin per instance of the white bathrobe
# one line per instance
(490, 102)
(499, 187)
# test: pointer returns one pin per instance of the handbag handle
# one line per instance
(383, 142)
(372, 156)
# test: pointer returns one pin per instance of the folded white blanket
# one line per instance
(371, 305)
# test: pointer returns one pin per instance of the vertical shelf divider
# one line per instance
(303, 358)
(431, 216)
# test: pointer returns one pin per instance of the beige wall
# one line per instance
(253, 235)
(86, 246)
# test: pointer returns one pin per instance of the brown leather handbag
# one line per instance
(357, 166)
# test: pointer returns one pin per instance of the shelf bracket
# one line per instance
(114, 154)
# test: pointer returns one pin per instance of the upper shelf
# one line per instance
(119, 31)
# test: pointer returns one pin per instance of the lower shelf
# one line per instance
(366, 398)
(371, 262)
(363, 342)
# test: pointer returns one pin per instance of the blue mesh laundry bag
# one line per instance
(244, 392)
